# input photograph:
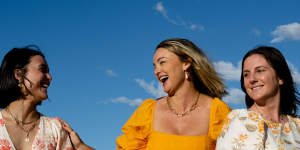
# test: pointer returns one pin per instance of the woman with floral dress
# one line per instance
(270, 122)
(24, 80)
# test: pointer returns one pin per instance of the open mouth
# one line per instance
(44, 84)
(163, 79)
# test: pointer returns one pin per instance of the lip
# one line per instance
(256, 87)
(162, 78)
(45, 84)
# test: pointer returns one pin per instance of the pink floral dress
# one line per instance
(50, 136)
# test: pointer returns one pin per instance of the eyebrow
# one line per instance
(44, 66)
(157, 60)
(246, 70)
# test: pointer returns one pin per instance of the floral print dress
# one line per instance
(50, 136)
(248, 130)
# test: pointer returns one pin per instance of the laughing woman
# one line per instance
(24, 80)
(270, 122)
(191, 116)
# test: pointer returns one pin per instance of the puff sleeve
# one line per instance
(218, 114)
(137, 129)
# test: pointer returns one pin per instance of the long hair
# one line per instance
(289, 97)
(205, 78)
(17, 58)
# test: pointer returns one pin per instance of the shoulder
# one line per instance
(219, 109)
(240, 113)
(218, 114)
(219, 105)
(146, 106)
(143, 113)
(295, 120)
(52, 124)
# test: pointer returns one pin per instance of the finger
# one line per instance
(65, 125)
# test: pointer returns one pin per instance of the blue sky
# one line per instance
(100, 52)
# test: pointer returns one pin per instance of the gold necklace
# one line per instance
(21, 123)
(193, 107)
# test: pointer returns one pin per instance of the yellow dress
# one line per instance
(139, 134)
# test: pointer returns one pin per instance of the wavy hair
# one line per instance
(205, 78)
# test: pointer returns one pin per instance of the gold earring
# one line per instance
(186, 75)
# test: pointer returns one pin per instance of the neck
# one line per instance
(23, 110)
(269, 109)
(184, 99)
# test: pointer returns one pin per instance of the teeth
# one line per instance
(163, 78)
(45, 85)
(255, 88)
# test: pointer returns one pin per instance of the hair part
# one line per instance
(289, 96)
(205, 78)
(15, 59)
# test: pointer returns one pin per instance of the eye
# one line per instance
(245, 75)
(162, 62)
(44, 69)
(260, 70)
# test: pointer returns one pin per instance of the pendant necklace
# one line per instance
(193, 107)
(21, 123)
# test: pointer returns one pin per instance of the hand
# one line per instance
(75, 139)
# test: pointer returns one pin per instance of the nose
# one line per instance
(252, 78)
(49, 76)
(156, 71)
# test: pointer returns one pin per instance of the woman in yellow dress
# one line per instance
(191, 116)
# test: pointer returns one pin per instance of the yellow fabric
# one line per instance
(139, 134)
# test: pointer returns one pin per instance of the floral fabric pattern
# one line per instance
(50, 136)
(246, 129)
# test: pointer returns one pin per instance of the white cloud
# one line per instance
(125, 100)
(227, 70)
(159, 7)
(156, 91)
(196, 27)
(235, 96)
(111, 73)
(286, 32)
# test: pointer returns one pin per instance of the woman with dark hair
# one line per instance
(24, 80)
(191, 116)
(270, 120)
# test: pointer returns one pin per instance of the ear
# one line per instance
(280, 81)
(19, 73)
(187, 64)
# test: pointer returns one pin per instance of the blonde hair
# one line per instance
(205, 78)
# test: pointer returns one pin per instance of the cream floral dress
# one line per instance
(50, 136)
(247, 130)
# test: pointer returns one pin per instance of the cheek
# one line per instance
(245, 83)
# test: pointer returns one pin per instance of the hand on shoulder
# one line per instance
(75, 139)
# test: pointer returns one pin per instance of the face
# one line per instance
(39, 78)
(260, 79)
(169, 70)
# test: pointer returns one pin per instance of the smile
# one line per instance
(256, 87)
(164, 78)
